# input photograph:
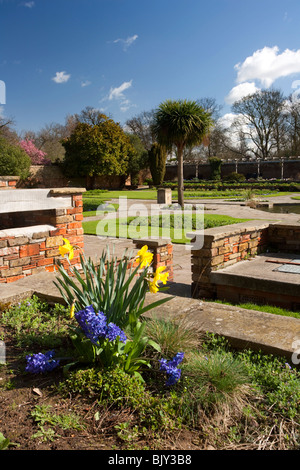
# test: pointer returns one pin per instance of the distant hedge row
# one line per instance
(292, 186)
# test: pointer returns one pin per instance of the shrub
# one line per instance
(13, 160)
(234, 177)
(215, 166)
(157, 162)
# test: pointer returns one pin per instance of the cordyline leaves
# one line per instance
(180, 123)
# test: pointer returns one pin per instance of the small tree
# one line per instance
(13, 160)
(157, 162)
(138, 159)
(37, 157)
(102, 149)
(182, 124)
(215, 166)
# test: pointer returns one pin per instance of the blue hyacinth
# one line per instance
(94, 326)
(40, 363)
(171, 368)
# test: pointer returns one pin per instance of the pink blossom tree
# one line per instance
(37, 156)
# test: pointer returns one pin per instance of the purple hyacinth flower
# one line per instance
(40, 363)
(171, 368)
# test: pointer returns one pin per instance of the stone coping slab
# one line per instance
(260, 274)
(223, 231)
(66, 191)
(26, 231)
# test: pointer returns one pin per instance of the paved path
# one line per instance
(244, 328)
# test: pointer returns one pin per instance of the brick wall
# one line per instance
(9, 182)
(162, 250)
(222, 247)
(27, 250)
(284, 237)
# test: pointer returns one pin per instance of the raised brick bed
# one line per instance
(223, 247)
(33, 224)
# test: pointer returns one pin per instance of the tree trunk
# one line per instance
(180, 175)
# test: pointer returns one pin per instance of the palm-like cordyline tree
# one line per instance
(181, 123)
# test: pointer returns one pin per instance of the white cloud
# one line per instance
(227, 120)
(117, 93)
(85, 83)
(29, 4)
(126, 42)
(61, 77)
(1, 111)
(240, 91)
(267, 65)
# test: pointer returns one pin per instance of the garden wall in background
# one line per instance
(52, 176)
(266, 169)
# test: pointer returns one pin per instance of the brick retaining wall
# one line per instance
(224, 246)
(29, 250)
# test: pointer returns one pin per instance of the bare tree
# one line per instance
(141, 126)
(259, 120)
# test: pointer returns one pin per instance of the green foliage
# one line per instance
(157, 162)
(112, 286)
(173, 336)
(111, 386)
(215, 166)
(102, 149)
(33, 322)
(181, 124)
(214, 378)
(43, 415)
(13, 160)
(234, 177)
(138, 159)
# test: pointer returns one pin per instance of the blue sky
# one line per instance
(127, 56)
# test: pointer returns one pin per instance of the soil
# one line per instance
(21, 392)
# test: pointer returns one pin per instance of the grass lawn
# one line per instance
(296, 197)
(96, 198)
(264, 308)
(159, 226)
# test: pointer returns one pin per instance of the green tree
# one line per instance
(138, 159)
(94, 150)
(215, 166)
(182, 124)
(13, 160)
(157, 162)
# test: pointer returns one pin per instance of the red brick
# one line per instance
(45, 262)
(78, 217)
(33, 249)
(73, 225)
(14, 278)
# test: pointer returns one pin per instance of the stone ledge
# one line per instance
(66, 191)
(152, 243)
(224, 231)
(26, 231)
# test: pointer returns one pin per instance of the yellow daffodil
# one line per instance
(72, 310)
(158, 277)
(67, 248)
(144, 256)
